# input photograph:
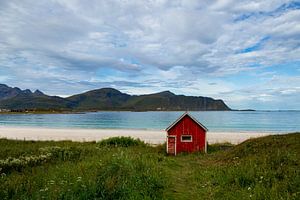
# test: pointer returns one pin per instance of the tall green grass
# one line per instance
(124, 168)
(128, 176)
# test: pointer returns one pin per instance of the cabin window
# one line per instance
(186, 138)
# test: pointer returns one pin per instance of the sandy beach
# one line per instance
(149, 136)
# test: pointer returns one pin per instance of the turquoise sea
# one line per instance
(266, 121)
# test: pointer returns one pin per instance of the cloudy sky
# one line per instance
(245, 52)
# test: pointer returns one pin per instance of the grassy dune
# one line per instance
(122, 168)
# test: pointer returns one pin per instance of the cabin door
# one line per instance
(171, 147)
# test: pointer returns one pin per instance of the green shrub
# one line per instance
(121, 142)
(47, 154)
(17, 164)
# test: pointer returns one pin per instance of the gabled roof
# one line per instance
(181, 117)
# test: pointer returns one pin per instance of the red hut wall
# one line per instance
(187, 126)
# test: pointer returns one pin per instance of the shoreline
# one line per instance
(86, 134)
(134, 129)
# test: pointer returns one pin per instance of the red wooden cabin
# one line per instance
(186, 134)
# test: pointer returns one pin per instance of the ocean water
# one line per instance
(235, 121)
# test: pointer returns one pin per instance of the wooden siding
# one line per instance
(187, 126)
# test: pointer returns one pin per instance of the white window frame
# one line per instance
(186, 140)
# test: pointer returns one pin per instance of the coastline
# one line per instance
(84, 135)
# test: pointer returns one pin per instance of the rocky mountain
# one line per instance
(9, 92)
(17, 99)
(105, 99)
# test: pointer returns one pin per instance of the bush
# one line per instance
(10, 163)
(121, 142)
(47, 154)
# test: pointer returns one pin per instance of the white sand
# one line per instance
(149, 136)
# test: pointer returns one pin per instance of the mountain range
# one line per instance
(105, 99)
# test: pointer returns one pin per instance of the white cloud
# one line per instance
(182, 45)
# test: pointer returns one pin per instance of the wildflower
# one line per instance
(249, 188)
(250, 195)
(3, 174)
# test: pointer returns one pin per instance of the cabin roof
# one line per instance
(181, 117)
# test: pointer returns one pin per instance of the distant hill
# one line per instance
(17, 99)
(105, 99)
(101, 99)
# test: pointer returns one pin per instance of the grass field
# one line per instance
(122, 168)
